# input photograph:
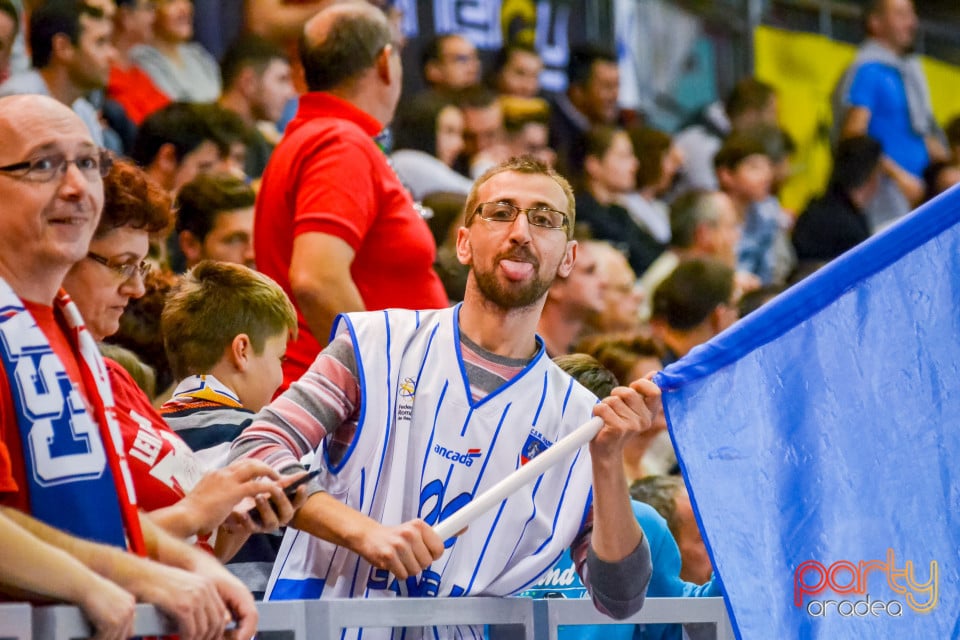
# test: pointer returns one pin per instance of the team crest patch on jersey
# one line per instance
(535, 445)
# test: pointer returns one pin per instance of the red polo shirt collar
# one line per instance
(318, 104)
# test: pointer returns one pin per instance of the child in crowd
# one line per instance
(225, 328)
(745, 172)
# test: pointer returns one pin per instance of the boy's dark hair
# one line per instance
(854, 161)
(203, 198)
(588, 371)
(248, 50)
(52, 17)
(690, 294)
(582, 59)
(739, 146)
(181, 124)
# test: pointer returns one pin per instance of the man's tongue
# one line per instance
(515, 269)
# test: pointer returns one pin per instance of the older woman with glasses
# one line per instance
(169, 480)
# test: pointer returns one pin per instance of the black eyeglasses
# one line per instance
(125, 269)
(94, 165)
(506, 212)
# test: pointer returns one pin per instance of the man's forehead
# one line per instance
(36, 121)
(524, 189)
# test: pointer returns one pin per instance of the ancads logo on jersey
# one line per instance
(466, 459)
(847, 578)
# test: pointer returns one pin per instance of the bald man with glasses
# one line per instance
(64, 484)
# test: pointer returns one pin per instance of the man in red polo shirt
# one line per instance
(333, 225)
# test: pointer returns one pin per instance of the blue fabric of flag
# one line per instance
(820, 441)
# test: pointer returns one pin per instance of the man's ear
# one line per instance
(384, 70)
(569, 258)
(464, 250)
(191, 246)
(240, 352)
(60, 47)
(166, 161)
(246, 82)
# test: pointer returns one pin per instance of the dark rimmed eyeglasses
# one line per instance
(94, 165)
(125, 269)
(537, 216)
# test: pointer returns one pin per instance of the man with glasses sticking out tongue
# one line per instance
(414, 413)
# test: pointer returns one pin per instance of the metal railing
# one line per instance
(508, 618)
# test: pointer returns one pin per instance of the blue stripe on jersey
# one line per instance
(463, 371)
(566, 398)
(416, 314)
(586, 509)
(427, 350)
(490, 446)
(363, 394)
(533, 497)
(486, 543)
(287, 589)
(436, 416)
(356, 567)
(466, 421)
(563, 494)
(543, 396)
(283, 561)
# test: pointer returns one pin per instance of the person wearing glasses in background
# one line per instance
(413, 413)
(63, 478)
(182, 496)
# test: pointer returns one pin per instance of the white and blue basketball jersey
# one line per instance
(423, 448)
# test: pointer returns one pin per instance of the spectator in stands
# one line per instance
(668, 495)
(658, 161)
(516, 71)
(609, 172)
(836, 221)
(9, 26)
(590, 101)
(51, 185)
(257, 84)
(702, 224)
(745, 173)
(333, 224)
(182, 69)
(128, 84)
(953, 138)
(182, 496)
(622, 296)
(450, 63)
(940, 176)
(72, 53)
(176, 144)
(696, 302)
(526, 124)
(571, 301)
(428, 138)
(226, 328)
(215, 219)
(483, 131)
(517, 239)
(884, 94)
(231, 135)
(750, 103)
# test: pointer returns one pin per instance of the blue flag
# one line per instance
(820, 441)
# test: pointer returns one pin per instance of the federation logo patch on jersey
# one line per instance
(408, 388)
(535, 445)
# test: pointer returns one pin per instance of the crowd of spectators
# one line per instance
(211, 221)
